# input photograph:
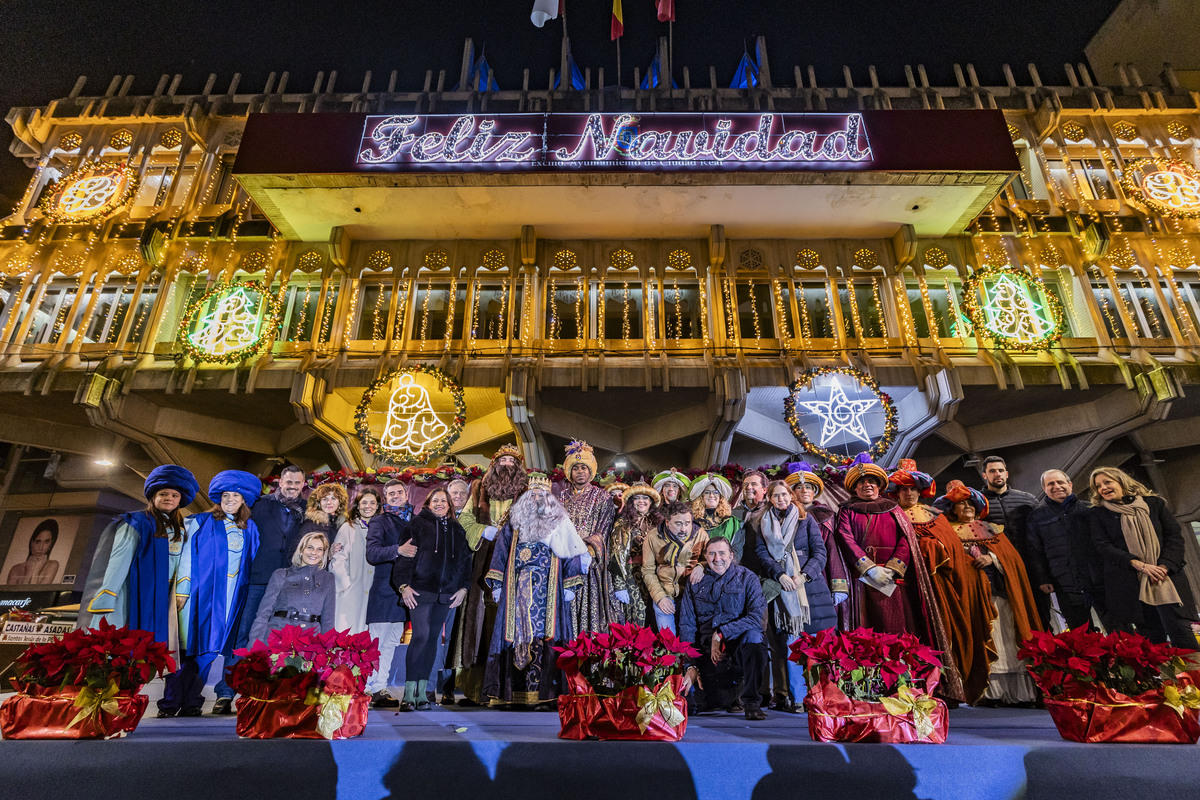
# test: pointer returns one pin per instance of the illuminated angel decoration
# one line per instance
(231, 325)
(412, 426)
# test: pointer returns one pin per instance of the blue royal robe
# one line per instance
(133, 587)
(212, 611)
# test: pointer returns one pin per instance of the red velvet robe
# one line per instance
(962, 595)
(879, 533)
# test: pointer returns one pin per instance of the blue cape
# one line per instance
(149, 582)
(211, 627)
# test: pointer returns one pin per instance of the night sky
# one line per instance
(48, 45)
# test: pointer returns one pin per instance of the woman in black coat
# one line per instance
(430, 584)
(1141, 547)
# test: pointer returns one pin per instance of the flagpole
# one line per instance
(671, 52)
(618, 63)
(564, 19)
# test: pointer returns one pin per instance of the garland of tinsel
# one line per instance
(371, 442)
(444, 474)
(890, 425)
(234, 356)
(978, 314)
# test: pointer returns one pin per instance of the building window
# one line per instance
(491, 316)
(621, 309)
(755, 315)
(299, 313)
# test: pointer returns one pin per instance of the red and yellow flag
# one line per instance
(618, 21)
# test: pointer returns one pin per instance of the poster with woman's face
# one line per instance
(39, 551)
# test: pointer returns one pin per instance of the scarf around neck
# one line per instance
(779, 533)
(1142, 543)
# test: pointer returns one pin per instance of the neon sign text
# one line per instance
(614, 141)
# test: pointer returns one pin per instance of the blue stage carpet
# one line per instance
(991, 753)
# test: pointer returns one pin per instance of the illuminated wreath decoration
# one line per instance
(1170, 188)
(1049, 311)
(790, 414)
(429, 450)
(91, 191)
(267, 325)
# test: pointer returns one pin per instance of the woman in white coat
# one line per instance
(351, 572)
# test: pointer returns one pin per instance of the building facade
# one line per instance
(659, 313)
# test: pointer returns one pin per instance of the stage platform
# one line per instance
(475, 754)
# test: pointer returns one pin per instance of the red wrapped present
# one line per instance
(296, 708)
(1169, 715)
(906, 717)
(39, 712)
(637, 713)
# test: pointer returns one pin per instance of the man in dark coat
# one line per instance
(385, 615)
(1009, 508)
(722, 616)
(278, 517)
(1060, 558)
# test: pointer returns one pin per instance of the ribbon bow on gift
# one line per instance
(1188, 698)
(661, 702)
(331, 712)
(920, 706)
(90, 703)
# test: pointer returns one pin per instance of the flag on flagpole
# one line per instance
(545, 10)
(666, 10)
(618, 21)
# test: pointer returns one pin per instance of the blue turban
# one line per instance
(172, 476)
(234, 480)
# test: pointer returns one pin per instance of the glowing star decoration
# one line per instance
(839, 414)
(423, 416)
(1168, 187)
(95, 189)
(1013, 312)
(226, 324)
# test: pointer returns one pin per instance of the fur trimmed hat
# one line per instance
(235, 480)
(579, 453)
(861, 467)
(802, 472)
(906, 475)
(172, 476)
(643, 489)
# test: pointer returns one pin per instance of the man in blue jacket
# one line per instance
(722, 615)
(278, 517)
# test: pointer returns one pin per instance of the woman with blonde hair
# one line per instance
(1140, 545)
(303, 594)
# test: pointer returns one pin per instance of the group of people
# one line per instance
(485, 579)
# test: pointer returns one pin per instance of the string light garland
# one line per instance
(625, 313)
(785, 330)
(730, 309)
(231, 332)
(1011, 313)
(451, 302)
(552, 297)
(839, 414)
(413, 433)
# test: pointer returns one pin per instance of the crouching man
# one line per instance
(722, 615)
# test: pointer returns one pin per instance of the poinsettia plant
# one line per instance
(1070, 663)
(292, 651)
(624, 657)
(867, 664)
(98, 658)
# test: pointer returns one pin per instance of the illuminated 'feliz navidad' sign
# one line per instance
(614, 141)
